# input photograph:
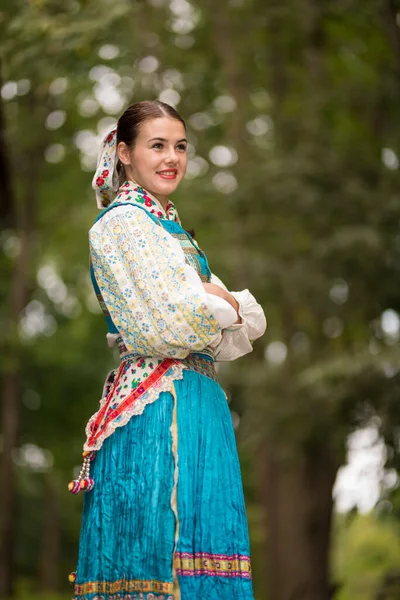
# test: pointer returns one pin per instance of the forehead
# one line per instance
(163, 127)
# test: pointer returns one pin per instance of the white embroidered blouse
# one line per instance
(157, 301)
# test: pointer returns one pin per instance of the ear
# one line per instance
(124, 153)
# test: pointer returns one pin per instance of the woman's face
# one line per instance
(158, 160)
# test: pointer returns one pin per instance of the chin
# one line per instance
(166, 187)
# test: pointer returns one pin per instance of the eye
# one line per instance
(157, 145)
(181, 147)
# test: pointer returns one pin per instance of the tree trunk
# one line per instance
(6, 204)
(20, 216)
(235, 75)
(11, 419)
(50, 552)
(10, 405)
(298, 500)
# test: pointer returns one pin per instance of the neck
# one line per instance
(163, 200)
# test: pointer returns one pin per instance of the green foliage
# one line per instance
(366, 552)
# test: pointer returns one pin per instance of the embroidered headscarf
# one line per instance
(106, 179)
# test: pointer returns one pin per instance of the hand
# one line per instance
(217, 290)
(213, 288)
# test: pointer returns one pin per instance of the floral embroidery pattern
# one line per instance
(105, 180)
(130, 191)
(221, 565)
(126, 585)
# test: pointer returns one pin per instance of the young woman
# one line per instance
(164, 517)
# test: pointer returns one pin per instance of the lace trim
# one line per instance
(165, 384)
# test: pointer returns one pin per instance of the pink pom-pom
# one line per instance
(74, 486)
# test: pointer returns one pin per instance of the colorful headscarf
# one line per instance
(106, 180)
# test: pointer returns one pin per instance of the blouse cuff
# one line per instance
(251, 313)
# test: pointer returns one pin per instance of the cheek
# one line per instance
(143, 159)
(184, 162)
(153, 160)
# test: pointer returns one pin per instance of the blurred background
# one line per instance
(292, 187)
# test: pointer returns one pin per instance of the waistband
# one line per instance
(201, 362)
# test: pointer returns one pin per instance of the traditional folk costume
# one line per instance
(164, 517)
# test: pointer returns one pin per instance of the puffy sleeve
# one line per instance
(237, 340)
(146, 287)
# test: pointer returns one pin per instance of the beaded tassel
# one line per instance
(84, 481)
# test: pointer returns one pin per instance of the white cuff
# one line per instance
(252, 314)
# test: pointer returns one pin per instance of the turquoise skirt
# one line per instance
(166, 519)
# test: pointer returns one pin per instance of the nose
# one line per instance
(172, 157)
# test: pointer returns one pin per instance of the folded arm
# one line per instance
(237, 339)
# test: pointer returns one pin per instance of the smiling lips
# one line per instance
(168, 173)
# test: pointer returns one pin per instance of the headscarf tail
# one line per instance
(106, 180)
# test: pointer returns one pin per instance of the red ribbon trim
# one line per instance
(129, 400)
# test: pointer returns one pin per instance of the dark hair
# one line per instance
(129, 123)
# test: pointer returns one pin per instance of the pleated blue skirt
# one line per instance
(166, 519)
